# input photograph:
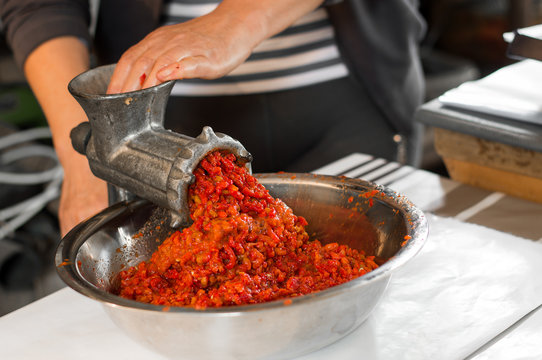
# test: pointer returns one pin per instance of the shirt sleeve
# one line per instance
(26, 24)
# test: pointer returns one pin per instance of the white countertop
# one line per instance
(468, 284)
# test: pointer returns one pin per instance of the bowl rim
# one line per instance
(65, 256)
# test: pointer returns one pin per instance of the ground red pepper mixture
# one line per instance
(244, 247)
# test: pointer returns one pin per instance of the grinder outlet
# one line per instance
(127, 145)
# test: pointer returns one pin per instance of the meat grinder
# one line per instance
(127, 145)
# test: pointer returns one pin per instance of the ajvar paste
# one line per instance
(244, 247)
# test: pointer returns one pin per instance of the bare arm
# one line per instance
(48, 69)
(207, 47)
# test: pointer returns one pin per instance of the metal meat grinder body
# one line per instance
(127, 145)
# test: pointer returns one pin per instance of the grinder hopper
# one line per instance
(127, 145)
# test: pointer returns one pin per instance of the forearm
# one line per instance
(262, 19)
(48, 69)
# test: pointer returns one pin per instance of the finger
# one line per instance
(163, 61)
(124, 67)
(121, 72)
(188, 68)
(139, 72)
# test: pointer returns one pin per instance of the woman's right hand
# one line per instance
(83, 195)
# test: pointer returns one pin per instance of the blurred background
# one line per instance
(464, 42)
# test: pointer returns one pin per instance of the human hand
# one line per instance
(207, 47)
(83, 195)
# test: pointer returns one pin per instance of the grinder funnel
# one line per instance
(126, 144)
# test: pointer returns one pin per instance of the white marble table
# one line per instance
(468, 285)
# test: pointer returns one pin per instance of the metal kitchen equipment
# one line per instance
(358, 213)
(126, 143)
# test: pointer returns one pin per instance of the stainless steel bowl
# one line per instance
(337, 209)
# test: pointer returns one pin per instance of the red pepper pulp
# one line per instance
(244, 247)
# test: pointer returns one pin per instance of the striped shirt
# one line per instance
(304, 54)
